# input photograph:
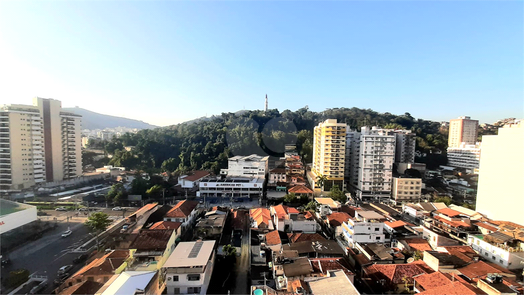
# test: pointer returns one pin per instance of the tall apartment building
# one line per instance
(352, 158)
(329, 152)
(39, 143)
(375, 168)
(465, 156)
(405, 146)
(500, 195)
(461, 130)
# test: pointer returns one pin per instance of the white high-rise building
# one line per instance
(462, 130)
(375, 169)
(465, 156)
(38, 143)
(500, 195)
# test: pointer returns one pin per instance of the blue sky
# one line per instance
(166, 62)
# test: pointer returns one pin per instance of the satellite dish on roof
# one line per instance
(410, 259)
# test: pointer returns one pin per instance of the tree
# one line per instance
(139, 186)
(321, 179)
(417, 255)
(229, 250)
(155, 191)
(336, 194)
(311, 206)
(97, 223)
(170, 165)
(445, 200)
(116, 192)
(290, 198)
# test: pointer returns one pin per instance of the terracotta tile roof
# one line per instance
(394, 273)
(395, 224)
(449, 212)
(323, 265)
(152, 240)
(430, 281)
(302, 237)
(261, 216)
(465, 253)
(300, 189)
(452, 223)
(309, 216)
(337, 218)
(423, 265)
(480, 269)
(273, 238)
(278, 170)
(418, 244)
(486, 226)
(105, 265)
(282, 211)
(182, 209)
(196, 175)
(453, 288)
(166, 225)
(144, 209)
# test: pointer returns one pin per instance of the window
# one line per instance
(377, 238)
(501, 261)
(193, 290)
(175, 278)
(177, 290)
(493, 257)
(376, 228)
(193, 277)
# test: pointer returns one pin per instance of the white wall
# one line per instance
(492, 253)
(17, 219)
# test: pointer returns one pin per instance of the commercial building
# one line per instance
(231, 187)
(188, 269)
(247, 166)
(465, 156)
(329, 152)
(406, 189)
(376, 157)
(462, 130)
(38, 143)
(500, 195)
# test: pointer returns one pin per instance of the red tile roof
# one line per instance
(337, 218)
(261, 216)
(449, 212)
(465, 253)
(273, 238)
(452, 223)
(394, 273)
(395, 224)
(282, 211)
(303, 237)
(196, 175)
(300, 189)
(480, 269)
(323, 265)
(418, 244)
(453, 288)
(152, 240)
(166, 225)
(431, 281)
(486, 226)
(183, 209)
(144, 209)
(309, 216)
(105, 265)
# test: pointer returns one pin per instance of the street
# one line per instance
(241, 285)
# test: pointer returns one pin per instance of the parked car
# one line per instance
(80, 258)
(67, 233)
(83, 209)
(36, 289)
(61, 209)
(64, 269)
(61, 278)
(117, 209)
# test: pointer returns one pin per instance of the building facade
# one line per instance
(366, 227)
(247, 166)
(231, 187)
(462, 130)
(465, 156)
(375, 170)
(38, 143)
(406, 189)
(500, 194)
(329, 152)
(405, 146)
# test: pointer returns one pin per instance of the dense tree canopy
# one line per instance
(207, 144)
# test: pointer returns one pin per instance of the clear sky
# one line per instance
(166, 62)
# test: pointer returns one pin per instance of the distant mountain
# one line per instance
(92, 120)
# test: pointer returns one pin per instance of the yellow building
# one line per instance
(461, 130)
(406, 189)
(329, 148)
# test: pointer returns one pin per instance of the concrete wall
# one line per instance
(17, 219)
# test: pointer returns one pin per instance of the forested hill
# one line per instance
(207, 144)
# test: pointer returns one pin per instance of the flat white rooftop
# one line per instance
(188, 254)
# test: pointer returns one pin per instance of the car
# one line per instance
(60, 278)
(83, 209)
(61, 209)
(80, 258)
(64, 269)
(117, 209)
(67, 233)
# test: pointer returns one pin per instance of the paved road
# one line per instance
(241, 285)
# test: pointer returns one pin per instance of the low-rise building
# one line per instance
(289, 219)
(132, 282)
(272, 241)
(335, 283)
(192, 180)
(184, 212)
(210, 227)
(393, 278)
(261, 218)
(442, 283)
(326, 206)
(277, 176)
(316, 249)
(498, 248)
(247, 166)
(231, 187)
(151, 249)
(406, 189)
(365, 227)
(188, 270)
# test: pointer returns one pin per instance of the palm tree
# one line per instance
(321, 179)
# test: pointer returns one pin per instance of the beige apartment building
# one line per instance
(329, 152)
(406, 189)
(500, 195)
(462, 130)
(38, 143)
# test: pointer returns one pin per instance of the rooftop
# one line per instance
(449, 212)
(253, 157)
(328, 247)
(129, 281)
(336, 283)
(282, 211)
(338, 218)
(273, 238)
(196, 175)
(298, 267)
(191, 254)
(182, 209)
(480, 269)
(166, 225)
(303, 237)
(328, 201)
(152, 240)
(300, 189)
